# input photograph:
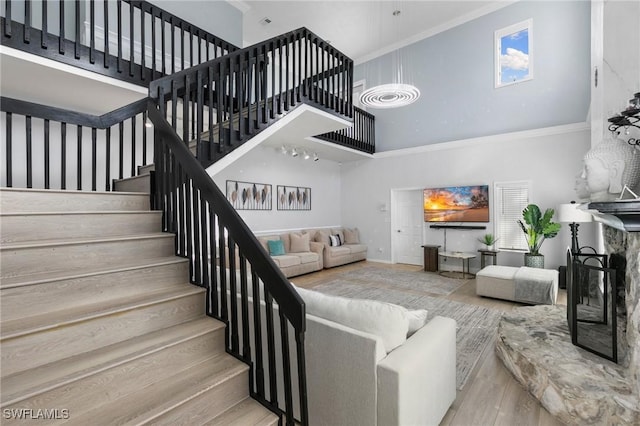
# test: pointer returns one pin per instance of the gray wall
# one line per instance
(548, 158)
(454, 70)
(267, 165)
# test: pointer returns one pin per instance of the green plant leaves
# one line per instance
(539, 226)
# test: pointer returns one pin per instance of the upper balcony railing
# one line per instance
(226, 101)
(134, 41)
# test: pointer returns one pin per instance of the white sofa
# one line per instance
(362, 369)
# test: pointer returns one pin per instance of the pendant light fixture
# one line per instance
(396, 94)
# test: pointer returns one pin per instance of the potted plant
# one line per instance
(488, 240)
(538, 228)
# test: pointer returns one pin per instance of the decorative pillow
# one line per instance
(340, 232)
(322, 237)
(417, 320)
(351, 236)
(276, 247)
(385, 320)
(299, 243)
(334, 240)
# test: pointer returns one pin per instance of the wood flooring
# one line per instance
(491, 395)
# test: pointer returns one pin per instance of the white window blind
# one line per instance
(510, 199)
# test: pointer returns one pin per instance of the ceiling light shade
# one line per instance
(398, 93)
(390, 95)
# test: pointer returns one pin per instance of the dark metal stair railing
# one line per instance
(226, 101)
(229, 262)
(142, 42)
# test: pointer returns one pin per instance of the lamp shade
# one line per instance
(570, 213)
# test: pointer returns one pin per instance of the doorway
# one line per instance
(407, 225)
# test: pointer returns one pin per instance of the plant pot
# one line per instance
(490, 247)
(534, 260)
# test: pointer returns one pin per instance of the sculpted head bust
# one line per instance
(608, 167)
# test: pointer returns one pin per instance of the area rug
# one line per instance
(476, 326)
(428, 282)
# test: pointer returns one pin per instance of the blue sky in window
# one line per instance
(514, 56)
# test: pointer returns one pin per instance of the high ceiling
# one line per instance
(361, 29)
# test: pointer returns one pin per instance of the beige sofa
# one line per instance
(351, 250)
(302, 257)
(301, 254)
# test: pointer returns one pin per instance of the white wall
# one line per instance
(266, 165)
(549, 158)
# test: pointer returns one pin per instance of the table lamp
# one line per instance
(570, 213)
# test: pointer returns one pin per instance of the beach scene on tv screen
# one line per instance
(457, 204)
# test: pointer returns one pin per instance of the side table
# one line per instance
(493, 254)
(431, 258)
(464, 257)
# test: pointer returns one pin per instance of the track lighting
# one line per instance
(315, 157)
(306, 155)
(294, 152)
(283, 150)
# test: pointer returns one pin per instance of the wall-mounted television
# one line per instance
(457, 204)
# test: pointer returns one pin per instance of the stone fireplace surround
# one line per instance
(575, 385)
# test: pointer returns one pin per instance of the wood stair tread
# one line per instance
(77, 241)
(38, 323)
(29, 383)
(143, 389)
(80, 212)
(35, 279)
(245, 413)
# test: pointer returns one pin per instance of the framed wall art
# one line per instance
(514, 54)
(293, 198)
(249, 195)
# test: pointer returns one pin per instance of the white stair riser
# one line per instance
(35, 227)
(69, 257)
(40, 348)
(134, 184)
(54, 296)
(32, 200)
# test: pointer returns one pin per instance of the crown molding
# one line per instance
(436, 30)
(485, 140)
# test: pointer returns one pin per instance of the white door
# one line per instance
(407, 227)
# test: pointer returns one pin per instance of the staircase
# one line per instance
(99, 324)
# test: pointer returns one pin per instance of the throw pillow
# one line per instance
(351, 236)
(299, 243)
(340, 232)
(276, 248)
(322, 237)
(417, 320)
(335, 240)
(387, 321)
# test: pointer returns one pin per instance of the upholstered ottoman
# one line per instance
(526, 285)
